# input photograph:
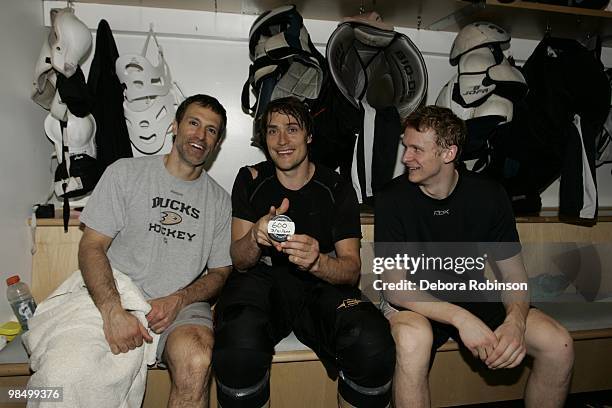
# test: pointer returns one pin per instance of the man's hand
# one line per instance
(123, 331)
(303, 251)
(476, 336)
(511, 348)
(259, 232)
(164, 311)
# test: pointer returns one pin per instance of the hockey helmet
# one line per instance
(476, 35)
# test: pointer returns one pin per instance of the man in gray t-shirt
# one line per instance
(164, 222)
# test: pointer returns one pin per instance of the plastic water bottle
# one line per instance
(21, 300)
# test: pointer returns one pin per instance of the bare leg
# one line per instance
(552, 348)
(189, 354)
(413, 341)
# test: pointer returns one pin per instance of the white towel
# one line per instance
(68, 349)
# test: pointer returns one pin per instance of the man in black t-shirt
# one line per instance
(437, 203)
(305, 284)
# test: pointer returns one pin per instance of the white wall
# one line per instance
(208, 52)
(24, 151)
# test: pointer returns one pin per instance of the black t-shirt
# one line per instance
(326, 208)
(477, 210)
(476, 219)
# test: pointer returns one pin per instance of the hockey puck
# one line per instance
(280, 227)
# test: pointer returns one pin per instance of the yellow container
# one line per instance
(10, 330)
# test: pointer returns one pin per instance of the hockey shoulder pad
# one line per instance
(508, 80)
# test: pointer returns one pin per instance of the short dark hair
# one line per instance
(204, 101)
(291, 106)
(448, 127)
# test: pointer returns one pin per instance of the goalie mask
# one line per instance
(140, 77)
(148, 128)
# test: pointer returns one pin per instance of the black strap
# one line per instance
(66, 206)
(245, 98)
(65, 209)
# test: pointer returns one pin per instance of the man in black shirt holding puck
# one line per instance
(297, 274)
(436, 202)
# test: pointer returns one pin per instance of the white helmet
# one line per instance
(475, 35)
(69, 39)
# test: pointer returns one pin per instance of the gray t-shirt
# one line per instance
(165, 231)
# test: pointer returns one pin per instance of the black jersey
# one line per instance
(325, 208)
(477, 210)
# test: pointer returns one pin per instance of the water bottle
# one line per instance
(21, 300)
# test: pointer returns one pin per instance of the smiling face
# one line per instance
(197, 135)
(287, 141)
(424, 159)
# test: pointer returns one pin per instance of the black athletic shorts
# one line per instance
(491, 313)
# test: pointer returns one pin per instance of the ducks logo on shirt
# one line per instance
(170, 218)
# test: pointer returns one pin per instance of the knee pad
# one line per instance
(364, 344)
(243, 377)
(240, 368)
(242, 356)
(366, 357)
(366, 396)
(243, 327)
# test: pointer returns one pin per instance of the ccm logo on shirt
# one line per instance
(442, 212)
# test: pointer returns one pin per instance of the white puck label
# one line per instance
(279, 227)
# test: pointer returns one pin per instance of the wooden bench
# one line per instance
(298, 379)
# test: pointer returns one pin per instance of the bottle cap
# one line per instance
(10, 330)
(12, 280)
(280, 227)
